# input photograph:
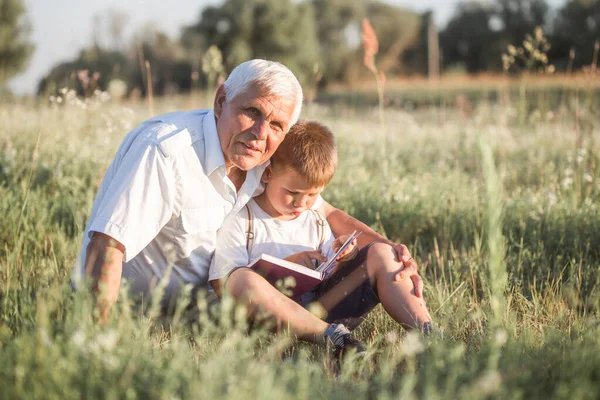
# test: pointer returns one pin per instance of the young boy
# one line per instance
(282, 222)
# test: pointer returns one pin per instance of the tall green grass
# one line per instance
(502, 217)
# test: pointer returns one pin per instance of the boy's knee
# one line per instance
(381, 257)
(243, 281)
(381, 249)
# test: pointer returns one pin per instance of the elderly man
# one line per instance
(177, 177)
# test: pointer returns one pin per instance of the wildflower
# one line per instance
(488, 383)
(84, 77)
(78, 338)
(391, 337)
(539, 34)
(412, 345)
(568, 181)
(45, 337)
(505, 62)
(107, 340)
(500, 337)
(117, 88)
(568, 172)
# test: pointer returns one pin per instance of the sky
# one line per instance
(61, 28)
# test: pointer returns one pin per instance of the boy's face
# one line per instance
(287, 194)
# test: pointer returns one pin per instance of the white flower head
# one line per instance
(412, 345)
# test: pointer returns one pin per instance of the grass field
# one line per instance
(500, 211)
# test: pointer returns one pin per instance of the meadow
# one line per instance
(499, 206)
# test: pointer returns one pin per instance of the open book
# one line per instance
(276, 270)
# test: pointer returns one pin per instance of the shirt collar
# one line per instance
(213, 154)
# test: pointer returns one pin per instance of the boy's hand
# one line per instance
(349, 252)
(306, 258)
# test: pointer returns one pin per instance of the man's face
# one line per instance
(251, 126)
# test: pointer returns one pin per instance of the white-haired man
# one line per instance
(175, 179)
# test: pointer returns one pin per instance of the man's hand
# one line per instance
(104, 264)
(409, 268)
(306, 258)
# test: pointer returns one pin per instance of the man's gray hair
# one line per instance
(271, 76)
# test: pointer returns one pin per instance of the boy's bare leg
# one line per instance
(397, 296)
(257, 293)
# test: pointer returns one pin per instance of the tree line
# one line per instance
(318, 39)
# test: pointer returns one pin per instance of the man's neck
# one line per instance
(236, 176)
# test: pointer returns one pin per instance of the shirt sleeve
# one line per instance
(231, 251)
(139, 200)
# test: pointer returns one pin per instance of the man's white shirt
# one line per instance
(166, 194)
(271, 236)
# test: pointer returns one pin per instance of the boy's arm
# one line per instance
(230, 252)
(343, 224)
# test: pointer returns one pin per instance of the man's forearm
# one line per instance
(104, 264)
(343, 224)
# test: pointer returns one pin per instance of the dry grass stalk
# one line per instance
(371, 47)
(370, 44)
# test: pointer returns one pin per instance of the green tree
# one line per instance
(15, 47)
(577, 27)
(520, 17)
(468, 39)
(170, 68)
(479, 32)
(335, 20)
(278, 30)
(106, 64)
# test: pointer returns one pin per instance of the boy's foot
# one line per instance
(350, 345)
(343, 343)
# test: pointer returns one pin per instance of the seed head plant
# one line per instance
(530, 57)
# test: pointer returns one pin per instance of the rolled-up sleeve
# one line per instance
(139, 200)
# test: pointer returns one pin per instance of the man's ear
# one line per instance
(266, 176)
(219, 101)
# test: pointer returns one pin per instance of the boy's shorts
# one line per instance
(346, 295)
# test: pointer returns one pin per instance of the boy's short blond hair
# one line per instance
(309, 149)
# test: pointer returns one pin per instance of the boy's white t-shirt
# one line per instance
(271, 236)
